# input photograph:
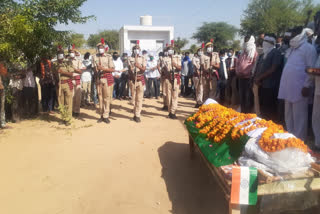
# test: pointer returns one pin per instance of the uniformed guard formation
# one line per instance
(67, 73)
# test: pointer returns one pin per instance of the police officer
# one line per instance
(103, 66)
(172, 65)
(65, 72)
(137, 67)
(197, 77)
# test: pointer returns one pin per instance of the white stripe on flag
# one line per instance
(244, 185)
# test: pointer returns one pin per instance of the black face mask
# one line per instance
(115, 57)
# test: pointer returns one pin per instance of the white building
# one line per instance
(152, 38)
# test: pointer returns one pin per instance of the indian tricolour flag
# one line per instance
(244, 185)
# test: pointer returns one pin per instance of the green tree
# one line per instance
(193, 48)
(27, 28)
(221, 32)
(77, 39)
(179, 43)
(275, 16)
(111, 37)
(236, 45)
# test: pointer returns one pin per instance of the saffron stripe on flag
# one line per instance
(235, 186)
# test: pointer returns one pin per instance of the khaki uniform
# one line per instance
(172, 90)
(65, 92)
(197, 80)
(104, 88)
(164, 77)
(137, 89)
(76, 64)
(209, 78)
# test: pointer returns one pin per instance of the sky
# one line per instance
(186, 16)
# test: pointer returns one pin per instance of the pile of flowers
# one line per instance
(217, 121)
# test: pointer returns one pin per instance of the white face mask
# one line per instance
(136, 51)
(210, 49)
(60, 56)
(166, 53)
(200, 53)
(170, 52)
(72, 55)
(101, 50)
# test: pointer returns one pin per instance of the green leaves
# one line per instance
(111, 38)
(27, 28)
(275, 16)
(221, 32)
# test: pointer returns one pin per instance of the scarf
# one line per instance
(250, 47)
(267, 47)
(298, 40)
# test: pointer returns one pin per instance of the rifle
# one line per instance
(172, 72)
(135, 71)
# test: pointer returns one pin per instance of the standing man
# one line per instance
(104, 66)
(86, 79)
(197, 77)
(185, 74)
(173, 68)
(118, 67)
(231, 87)
(77, 66)
(152, 75)
(124, 90)
(16, 84)
(137, 67)
(65, 71)
(210, 65)
(3, 73)
(245, 65)
(48, 86)
(164, 77)
(294, 81)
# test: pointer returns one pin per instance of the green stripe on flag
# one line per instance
(253, 188)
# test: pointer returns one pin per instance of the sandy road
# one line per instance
(93, 168)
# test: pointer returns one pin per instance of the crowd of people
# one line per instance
(267, 77)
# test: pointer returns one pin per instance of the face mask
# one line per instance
(72, 55)
(115, 57)
(209, 49)
(200, 53)
(170, 52)
(278, 45)
(101, 50)
(125, 58)
(151, 58)
(166, 53)
(60, 56)
(136, 51)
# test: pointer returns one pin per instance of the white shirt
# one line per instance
(149, 72)
(29, 80)
(294, 76)
(118, 66)
(86, 75)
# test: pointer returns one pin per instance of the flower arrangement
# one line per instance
(3, 70)
(216, 121)
(43, 68)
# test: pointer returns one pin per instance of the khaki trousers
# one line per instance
(86, 92)
(198, 89)
(137, 102)
(209, 88)
(164, 85)
(133, 91)
(172, 96)
(105, 97)
(65, 98)
(76, 98)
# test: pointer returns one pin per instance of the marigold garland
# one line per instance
(216, 121)
(42, 67)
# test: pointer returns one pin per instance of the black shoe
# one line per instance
(100, 120)
(73, 113)
(165, 108)
(76, 114)
(106, 120)
(172, 116)
(136, 119)
(197, 105)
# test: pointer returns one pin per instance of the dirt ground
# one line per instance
(92, 168)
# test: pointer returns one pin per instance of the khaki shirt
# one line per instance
(215, 59)
(141, 60)
(168, 63)
(196, 63)
(104, 60)
(76, 64)
(65, 66)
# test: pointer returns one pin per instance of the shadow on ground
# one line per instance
(190, 186)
